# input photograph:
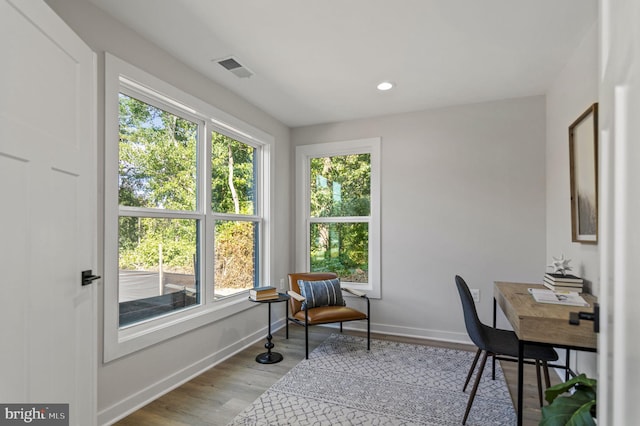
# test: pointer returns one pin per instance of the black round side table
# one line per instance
(269, 357)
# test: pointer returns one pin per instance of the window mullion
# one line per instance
(209, 227)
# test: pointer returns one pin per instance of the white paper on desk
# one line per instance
(570, 298)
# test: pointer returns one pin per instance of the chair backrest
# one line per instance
(475, 328)
(294, 305)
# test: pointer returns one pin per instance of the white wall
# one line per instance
(572, 92)
(463, 192)
(130, 381)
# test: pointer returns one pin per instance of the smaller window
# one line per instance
(234, 168)
(158, 157)
(233, 176)
(338, 211)
(340, 185)
(157, 255)
(236, 251)
(157, 267)
(340, 247)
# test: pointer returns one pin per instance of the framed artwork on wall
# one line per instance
(583, 163)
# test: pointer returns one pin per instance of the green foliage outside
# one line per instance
(230, 158)
(158, 169)
(235, 257)
(340, 188)
(175, 237)
(233, 191)
(158, 163)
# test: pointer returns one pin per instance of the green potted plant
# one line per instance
(575, 409)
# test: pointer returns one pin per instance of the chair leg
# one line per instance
(340, 326)
(547, 381)
(545, 368)
(306, 334)
(473, 366)
(368, 325)
(306, 342)
(493, 367)
(475, 387)
(539, 382)
(368, 334)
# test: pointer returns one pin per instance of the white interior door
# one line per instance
(48, 211)
(619, 361)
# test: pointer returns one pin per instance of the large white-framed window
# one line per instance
(187, 229)
(338, 211)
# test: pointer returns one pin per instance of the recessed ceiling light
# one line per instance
(385, 85)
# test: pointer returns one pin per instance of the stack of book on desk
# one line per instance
(559, 282)
(263, 293)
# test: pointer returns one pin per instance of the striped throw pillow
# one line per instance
(321, 293)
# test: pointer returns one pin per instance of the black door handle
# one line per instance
(87, 277)
(575, 317)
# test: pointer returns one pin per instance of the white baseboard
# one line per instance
(417, 333)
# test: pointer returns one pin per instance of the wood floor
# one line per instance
(219, 394)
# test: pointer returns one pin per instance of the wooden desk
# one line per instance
(541, 323)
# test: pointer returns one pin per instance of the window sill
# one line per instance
(137, 337)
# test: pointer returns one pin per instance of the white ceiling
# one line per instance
(319, 61)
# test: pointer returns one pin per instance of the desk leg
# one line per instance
(493, 357)
(520, 380)
(495, 306)
(269, 357)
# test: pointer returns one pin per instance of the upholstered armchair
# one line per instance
(316, 298)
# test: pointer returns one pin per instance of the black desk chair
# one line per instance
(497, 343)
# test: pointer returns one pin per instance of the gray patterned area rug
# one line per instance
(393, 384)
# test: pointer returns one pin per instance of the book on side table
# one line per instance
(263, 293)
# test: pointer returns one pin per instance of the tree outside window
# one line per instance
(233, 203)
(340, 189)
(338, 212)
(161, 234)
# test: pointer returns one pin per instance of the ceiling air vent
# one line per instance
(235, 67)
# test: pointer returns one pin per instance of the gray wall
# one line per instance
(463, 192)
(127, 382)
(572, 92)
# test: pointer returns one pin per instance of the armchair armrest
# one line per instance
(296, 296)
(355, 292)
